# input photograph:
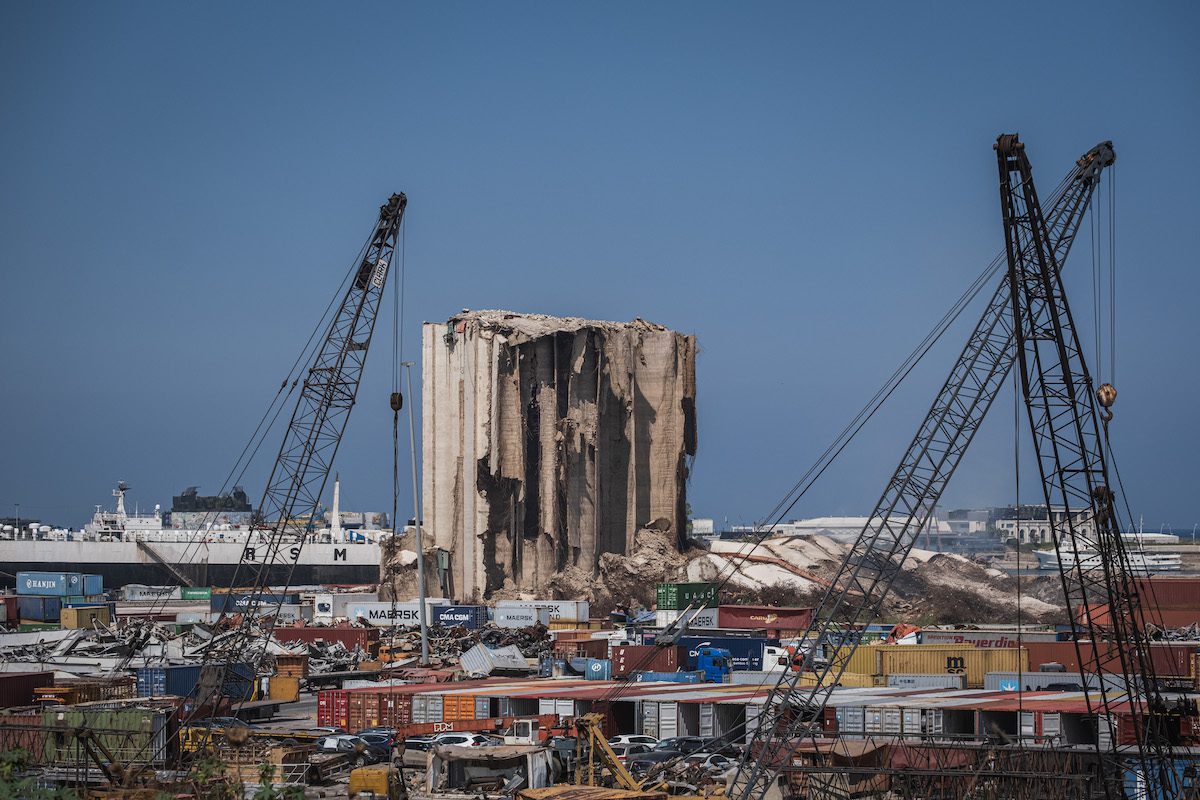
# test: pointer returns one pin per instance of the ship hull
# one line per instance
(211, 564)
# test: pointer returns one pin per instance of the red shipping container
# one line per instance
(16, 688)
(647, 658)
(1169, 660)
(765, 618)
(1170, 593)
(347, 635)
(581, 648)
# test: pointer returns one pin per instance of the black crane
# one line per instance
(301, 471)
(792, 711)
(1065, 417)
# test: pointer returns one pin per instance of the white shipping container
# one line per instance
(932, 681)
(521, 617)
(385, 615)
(696, 618)
(560, 610)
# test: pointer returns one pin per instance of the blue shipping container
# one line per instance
(182, 680)
(234, 602)
(93, 584)
(670, 677)
(594, 669)
(83, 600)
(51, 584)
(473, 617)
(744, 653)
(39, 609)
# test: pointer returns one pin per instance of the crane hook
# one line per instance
(1106, 394)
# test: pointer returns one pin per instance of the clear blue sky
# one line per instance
(806, 188)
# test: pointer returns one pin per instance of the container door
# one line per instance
(1107, 729)
(650, 718)
(420, 703)
(1051, 724)
(564, 708)
(483, 707)
(707, 726)
(546, 705)
(852, 720)
(891, 720)
(668, 720)
(873, 720)
(1027, 725)
(934, 722)
(506, 707)
(752, 714)
(912, 722)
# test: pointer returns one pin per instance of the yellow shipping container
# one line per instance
(84, 616)
(850, 680)
(974, 662)
(284, 689)
(864, 660)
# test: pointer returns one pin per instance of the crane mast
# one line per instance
(858, 590)
(1062, 407)
(301, 470)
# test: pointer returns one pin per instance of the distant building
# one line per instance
(1034, 524)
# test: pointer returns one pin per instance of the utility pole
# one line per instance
(412, 443)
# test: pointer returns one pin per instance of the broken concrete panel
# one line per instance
(551, 441)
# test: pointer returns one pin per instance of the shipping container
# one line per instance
(628, 659)
(85, 600)
(785, 621)
(21, 729)
(985, 638)
(87, 689)
(674, 596)
(183, 680)
(39, 609)
(387, 615)
(559, 610)
(195, 593)
(362, 638)
(31, 627)
(973, 662)
(696, 618)
(1169, 592)
(133, 733)
(16, 688)
(85, 617)
(594, 669)
(59, 584)
(1173, 662)
(581, 648)
(235, 602)
(521, 617)
(93, 584)
(471, 617)
(1039, 681)
(136, 592)
(936, 681)
(669, 677)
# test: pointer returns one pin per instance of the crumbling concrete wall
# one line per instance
(551, 441)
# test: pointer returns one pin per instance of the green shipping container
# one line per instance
(29, 627)
(196, 593)
(135, 735)
(675, 596)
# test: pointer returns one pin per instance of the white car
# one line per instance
(709, 762)
(464, 739)
(633, 738)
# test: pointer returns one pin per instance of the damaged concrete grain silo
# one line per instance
(550, 441)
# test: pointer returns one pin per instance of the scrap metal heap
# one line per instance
(551, 441)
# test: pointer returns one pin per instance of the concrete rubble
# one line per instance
(550, 442)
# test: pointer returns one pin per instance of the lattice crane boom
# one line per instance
(866, 575)
(327, 395)
(1061, 402)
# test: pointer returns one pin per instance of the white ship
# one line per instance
(145, 548)
(1141, 560)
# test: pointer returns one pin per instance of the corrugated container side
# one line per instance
(472, 617)
(1173, 593)
(39, 609)
(46, 584)
(765, 617)
(674, 596)
(974, 662)
(627, 659)
(195, 593)
(21, 729)
(93, 584)
(16, 688)
(521, 617)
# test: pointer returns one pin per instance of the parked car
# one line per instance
(681, 744)
(327, 730)
(641, 763)
(624, 751)
(465, 739)
(633, 738)
(379, 743)
(360, 752)
(378, 729)
(709, 762)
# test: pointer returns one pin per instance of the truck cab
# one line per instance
(715, 663)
